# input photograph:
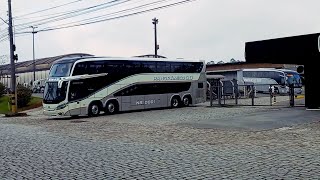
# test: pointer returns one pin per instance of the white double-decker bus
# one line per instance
(90, 85)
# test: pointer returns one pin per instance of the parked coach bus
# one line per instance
(294, 78)
(267, 77)
(89, 85)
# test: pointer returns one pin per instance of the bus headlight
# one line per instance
(61, 106)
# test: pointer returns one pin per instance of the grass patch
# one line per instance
(34, 103)
(4, 104)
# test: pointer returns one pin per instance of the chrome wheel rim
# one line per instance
(95, 110)
(111, 108)
(175, 102)
(186, 101)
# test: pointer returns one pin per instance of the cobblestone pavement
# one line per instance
(153, 145)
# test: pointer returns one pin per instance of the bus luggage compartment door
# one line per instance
(137, 102)
(155, 101)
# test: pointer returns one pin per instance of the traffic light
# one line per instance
(15, 56)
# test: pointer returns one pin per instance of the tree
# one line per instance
(233, 60)
(24, 96)
(210, 62)
(2, 89)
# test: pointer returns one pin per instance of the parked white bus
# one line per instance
(89, 85)
(283, 77)
(267, 77)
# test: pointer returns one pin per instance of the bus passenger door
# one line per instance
(75, 108)
(76, 91)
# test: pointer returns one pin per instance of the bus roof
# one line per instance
(225, 70)
(247, 69)
(100, 58)
(289, 70)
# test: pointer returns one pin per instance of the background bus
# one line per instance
(268, 76)
(293, 77)
(262, 78)
(87, 86)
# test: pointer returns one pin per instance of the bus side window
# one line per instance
(78, 90)
(197, 67)
(96, 67)
(149, 67)
(80, 68)
(161, 67)
(176, 67)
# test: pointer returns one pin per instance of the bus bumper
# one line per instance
(53, 113)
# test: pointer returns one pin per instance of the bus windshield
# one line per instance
(60, 70)
(53, 94)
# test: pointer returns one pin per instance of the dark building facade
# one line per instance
(303, 49)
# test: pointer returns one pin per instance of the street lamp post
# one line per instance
(34, 60)
(156, 47)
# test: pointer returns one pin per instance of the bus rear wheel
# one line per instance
(175, 102)
(112, 107)
(186, 101)
(94, 109)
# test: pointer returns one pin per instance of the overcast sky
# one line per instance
(202, 29)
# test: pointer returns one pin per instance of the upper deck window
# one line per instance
(60, 70)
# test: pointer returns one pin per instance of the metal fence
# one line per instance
(224, 93)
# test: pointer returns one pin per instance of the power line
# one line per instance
(54, 7)
(93, 9)
(6, 38)
(117, 12)
(3, 35)
(118, 17)
(114, 13)
(54, 14)
(73, 13)
(3, 21)
(106, 19)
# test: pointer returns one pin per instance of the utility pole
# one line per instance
(34, 60)
(12, 64)
(156, 46)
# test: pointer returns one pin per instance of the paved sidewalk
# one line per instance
(164, 144)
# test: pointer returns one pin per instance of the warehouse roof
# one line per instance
(41, 64)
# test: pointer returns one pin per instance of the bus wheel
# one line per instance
(175, 102)
(112, 107)
(94, 109)
(186, 101)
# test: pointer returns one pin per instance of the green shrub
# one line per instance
(24, 96)
(2, 89)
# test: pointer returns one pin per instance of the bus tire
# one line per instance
(186, 100)
(112, 107)
(175, 102)
(94, 109)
